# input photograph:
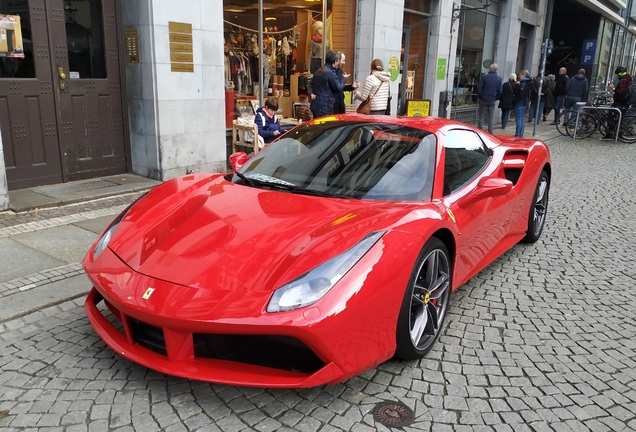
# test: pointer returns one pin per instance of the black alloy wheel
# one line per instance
(425, 302)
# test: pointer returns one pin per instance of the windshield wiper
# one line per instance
(245, 178)
(312, 192)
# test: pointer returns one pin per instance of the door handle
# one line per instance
(62, 75)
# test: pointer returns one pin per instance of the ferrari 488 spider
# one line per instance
(332, 250)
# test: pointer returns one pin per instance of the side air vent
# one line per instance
(513, 164)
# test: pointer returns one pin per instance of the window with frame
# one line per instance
(466, 155)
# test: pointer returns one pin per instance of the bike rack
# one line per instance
(617, 128)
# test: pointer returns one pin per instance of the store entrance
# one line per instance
(61, 112)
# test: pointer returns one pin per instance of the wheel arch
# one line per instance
(446, 237)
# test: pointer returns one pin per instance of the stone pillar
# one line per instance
(379, 25)
(4, 188)
(442, 46)
(177, 119)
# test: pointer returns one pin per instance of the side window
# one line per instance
(466, 156)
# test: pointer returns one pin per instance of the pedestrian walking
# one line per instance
(521, 97)
(377, 86)
(326, 86)
(488, 93)
(506, 103)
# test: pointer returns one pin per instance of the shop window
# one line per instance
(292, 45)
(16, 45)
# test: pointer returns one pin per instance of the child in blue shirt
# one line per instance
(267, 122)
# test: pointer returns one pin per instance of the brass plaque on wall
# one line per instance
(181, 57)
(177, 27)
(181, 47)
(180, 37)
(132, 45)
(182, 67)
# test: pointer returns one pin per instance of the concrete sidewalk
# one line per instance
(45, 235)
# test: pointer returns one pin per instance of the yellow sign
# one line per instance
(418, 108)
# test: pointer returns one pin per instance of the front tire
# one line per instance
(425, 302)
(538, 209)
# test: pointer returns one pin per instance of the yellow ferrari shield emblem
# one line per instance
(427, 297)
(148, 293)
(451, 215)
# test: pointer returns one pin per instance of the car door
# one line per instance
(481, 223)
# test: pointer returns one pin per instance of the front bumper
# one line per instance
(194, 334)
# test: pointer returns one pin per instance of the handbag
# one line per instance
(365, 106)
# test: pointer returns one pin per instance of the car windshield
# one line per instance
(344, 159)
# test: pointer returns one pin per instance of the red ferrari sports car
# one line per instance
(332, 250)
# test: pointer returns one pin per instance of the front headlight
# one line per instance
(103, 241)
(313, 285)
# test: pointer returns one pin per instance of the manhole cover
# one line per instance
(393, 414)
(56, 191)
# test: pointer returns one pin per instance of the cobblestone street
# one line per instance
(544, 339)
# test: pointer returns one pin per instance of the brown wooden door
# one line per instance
(54, 129)
(28, 117)
(85, 47)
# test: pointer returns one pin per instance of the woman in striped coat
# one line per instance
(377, 86)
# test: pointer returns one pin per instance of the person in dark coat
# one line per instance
(506, 103)
(340, 107)
(560, 83)
(548, 96)
(326, 86)
(536, 98)
(576, 91)
(522, 99)
(489, 92)
(267, 122)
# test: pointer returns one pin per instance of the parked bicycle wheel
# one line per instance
(627, 131)
(560, 124)
(587, 125)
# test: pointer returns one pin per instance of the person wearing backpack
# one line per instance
(622, 99)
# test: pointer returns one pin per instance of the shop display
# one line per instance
(292, 47)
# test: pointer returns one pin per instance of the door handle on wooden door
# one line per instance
(62, 75)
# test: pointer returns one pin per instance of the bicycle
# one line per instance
(593, 120)
(589, 121)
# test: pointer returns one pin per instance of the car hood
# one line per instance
(208, 232)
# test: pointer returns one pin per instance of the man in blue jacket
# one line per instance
(576, 91)
(326, 86)
(489, 91)
(267, 122)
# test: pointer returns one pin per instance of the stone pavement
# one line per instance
(544, 339)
